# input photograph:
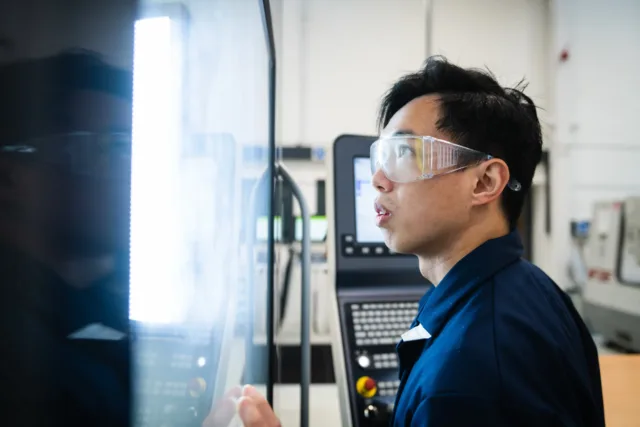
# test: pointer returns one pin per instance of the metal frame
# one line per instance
(271, 350)
(305, 298)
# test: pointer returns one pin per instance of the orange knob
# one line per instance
(366, 387)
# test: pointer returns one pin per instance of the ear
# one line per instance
(492, 176)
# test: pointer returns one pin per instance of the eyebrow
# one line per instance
(402, 132)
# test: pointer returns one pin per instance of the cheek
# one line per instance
(434, 205)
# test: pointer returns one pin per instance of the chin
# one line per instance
(398, 245)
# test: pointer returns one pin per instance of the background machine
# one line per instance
(611, 297)
(376, 291)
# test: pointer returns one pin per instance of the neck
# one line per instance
(434, 266)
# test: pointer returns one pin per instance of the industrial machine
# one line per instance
(611, 297)
(180, 339)
(202, 289)
(376, 291)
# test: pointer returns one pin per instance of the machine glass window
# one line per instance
(200, 190)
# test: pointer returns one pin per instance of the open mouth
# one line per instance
(382, 213)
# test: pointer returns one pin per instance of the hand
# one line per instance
(223, 410)
(254, 410)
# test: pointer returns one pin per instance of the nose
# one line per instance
(380, 182)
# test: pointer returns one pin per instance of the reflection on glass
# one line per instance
(65, 123)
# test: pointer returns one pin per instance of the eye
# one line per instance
(405, 151)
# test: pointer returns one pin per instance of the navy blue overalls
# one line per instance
(506, 348)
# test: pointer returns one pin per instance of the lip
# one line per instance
(383, 215)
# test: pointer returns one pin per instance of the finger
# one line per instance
(249, 413)
(256, 413)
(234, 393)
(250, 391)
(260, 403)
(224, 409)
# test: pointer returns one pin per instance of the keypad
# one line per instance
(385, 360)
(388, 388)
(381, 323)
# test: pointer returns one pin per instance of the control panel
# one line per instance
(174, 375)
(373, 328)
(377, 291)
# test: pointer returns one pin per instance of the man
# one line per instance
(455, 159)
(64, 238)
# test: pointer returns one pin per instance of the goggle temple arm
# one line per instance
(513, 184)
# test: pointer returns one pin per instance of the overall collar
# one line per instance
(442, 301)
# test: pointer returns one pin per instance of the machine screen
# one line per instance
(365, 194)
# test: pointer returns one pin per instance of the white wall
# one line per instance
(337, 57)
(595, 110)
(595, 98)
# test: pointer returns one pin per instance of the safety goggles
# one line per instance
(408, 158)
(82, 153)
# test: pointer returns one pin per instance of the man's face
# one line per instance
(428, 214)
(89, 211)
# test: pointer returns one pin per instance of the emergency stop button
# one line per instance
(366, 387)
(197, 386)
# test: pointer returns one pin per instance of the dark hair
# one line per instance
(475, 111)
(35, 91)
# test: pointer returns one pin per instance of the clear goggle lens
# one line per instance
(410, 158)
(407, 158)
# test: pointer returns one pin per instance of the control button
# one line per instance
(379, 250)
(348, 238)
(197, 386)
(348, 250)
(364, 361)
(365, 250)
(366, 387)
(192, 412)
(371, 412)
